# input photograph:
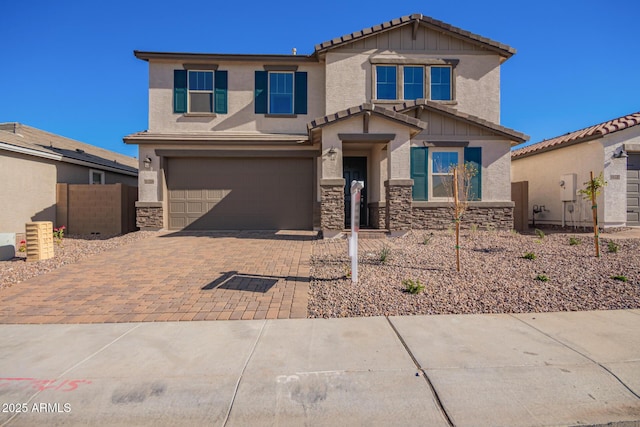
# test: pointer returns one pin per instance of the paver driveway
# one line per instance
(173, 276)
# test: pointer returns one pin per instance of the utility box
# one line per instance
(568, 187)
(39, 240)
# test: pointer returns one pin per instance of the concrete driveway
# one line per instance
(171, 277)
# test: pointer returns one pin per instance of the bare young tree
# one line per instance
(459, 194)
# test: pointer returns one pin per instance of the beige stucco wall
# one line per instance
(241, 116)
(543, 172)
(28, 191)
(76, 174)
(615, 173)
(477, 80)
(398, 163)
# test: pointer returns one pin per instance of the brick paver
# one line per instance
(173, 277)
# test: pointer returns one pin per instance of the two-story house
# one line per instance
(273, 141)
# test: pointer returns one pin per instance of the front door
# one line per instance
(355, 168)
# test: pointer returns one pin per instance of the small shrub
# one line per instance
(384, 254)
(539, 233)
(573, 241)
(426, 239)
(474, 228)
(58, 234)
(23, 246)
(413, 287)
(620, 278)
(490, 228)
(542, 278)
(613, 247)
(529, 255)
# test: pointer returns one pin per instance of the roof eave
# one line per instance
(208, 57)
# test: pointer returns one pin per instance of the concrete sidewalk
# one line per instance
(579, 368)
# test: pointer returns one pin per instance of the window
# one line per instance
(96, 177)
(197, 91)
(413, 83)
(441, 83)
(282, 93)
(200, 91)
(430, 171)
(386, 82)
(418, 81)
(441, 175)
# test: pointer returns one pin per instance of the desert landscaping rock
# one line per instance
(71, 249)
(494, 277)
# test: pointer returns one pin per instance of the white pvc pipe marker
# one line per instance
(356, 188)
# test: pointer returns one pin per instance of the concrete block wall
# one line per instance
(104, 210)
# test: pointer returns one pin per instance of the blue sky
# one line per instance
(67, 67)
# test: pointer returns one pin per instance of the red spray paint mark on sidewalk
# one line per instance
(42, 384)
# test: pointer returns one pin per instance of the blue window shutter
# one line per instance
(419, 172)
(473, 155)
(220, 95)
(261, 88)
(179, 91)
(300, 101)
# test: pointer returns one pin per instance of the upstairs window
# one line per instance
(417, 81)
(386, 82)
(413, 83)
(280, 93)
(441, 83)
(197, 91)
(200, 91)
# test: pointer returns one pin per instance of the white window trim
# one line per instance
(212, 92)
(293, 92)
(460, 152)
(101, 173)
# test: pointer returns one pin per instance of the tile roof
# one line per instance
(362, 109)
(516, 136)
(582, 135)
(31, 138)
(503, 49)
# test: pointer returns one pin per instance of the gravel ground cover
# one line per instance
(495, 278)
(71, 249)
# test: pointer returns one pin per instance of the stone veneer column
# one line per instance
(398, 204)
(149, 215)
(332, 206)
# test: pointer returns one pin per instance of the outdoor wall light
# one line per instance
(332, 153)
(620, 154)
(147, 162)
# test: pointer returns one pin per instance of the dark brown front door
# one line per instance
(355, 169)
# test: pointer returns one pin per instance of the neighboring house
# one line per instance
(241, 141)
(557, 168)
(33, 161)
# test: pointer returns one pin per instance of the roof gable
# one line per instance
(452, 113)
(415, 22)
(582, 135)
(367, 108)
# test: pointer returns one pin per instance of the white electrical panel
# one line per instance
(568, 187)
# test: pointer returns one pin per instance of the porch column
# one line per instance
(331, 187)
(398, 188)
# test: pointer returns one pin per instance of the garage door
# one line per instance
(240, 194)
(633, 189)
